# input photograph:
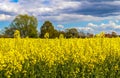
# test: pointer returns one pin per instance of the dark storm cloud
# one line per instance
(7, 13)
(99, 8)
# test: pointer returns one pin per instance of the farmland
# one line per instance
(60, 58)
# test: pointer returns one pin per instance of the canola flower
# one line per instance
(59, 58)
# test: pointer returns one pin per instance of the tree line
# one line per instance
(27, 25)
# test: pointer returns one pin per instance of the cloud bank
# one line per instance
(103, 27)
(62, 10)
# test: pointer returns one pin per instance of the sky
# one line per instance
(92, 16)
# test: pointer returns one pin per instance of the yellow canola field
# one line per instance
(60, 58)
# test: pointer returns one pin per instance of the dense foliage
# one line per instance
(72, 33)
(27, 25)
(60, 58)
(48, 27)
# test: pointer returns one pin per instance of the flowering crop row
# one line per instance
(60, 58)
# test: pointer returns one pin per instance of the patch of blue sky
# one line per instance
(14, 0)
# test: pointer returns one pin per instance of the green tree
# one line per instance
(114, 34)
(72, 33)
(48, 27)
(27, 25)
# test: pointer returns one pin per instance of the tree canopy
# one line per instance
(27, 25)
(72, 33)
(48, 27)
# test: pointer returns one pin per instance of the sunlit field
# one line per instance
(60, 58)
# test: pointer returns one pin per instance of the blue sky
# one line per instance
(86, 15)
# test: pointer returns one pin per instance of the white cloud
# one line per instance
(53, 10)
(85, 29)
(4, 17)
(67, 18)
(91, 25)
(40, 8)
(117, 21)
(117, 2)
(60, 26)
(67, 4)
(95, 28)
